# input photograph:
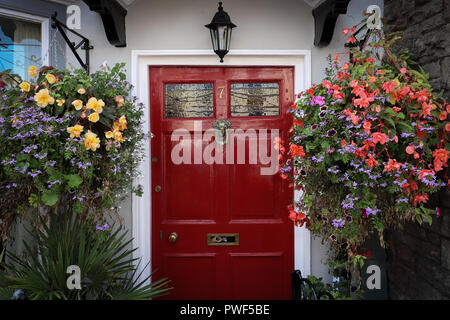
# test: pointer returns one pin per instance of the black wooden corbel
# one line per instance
(325, 16)
(113, 17)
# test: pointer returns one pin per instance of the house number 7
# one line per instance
(221, 91)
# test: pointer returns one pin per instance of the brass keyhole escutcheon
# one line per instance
(158, 188)
(173, 237)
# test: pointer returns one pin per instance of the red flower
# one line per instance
(388, 87)
(392, 165)
(367, 125)
(345, 31)
(424, 173)
(297, 151)
(420, 198)
(371, 162)
(410, 149)
(440, 158)
(351, 39)
(363, 102)
(426, 109)
(379, 137)
(298, 123)
(326, 84)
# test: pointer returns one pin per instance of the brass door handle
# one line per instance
(173, 237)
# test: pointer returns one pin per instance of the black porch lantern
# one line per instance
(220, 28)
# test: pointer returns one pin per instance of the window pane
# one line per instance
(185, 100)
(20, 45)
(255, 99)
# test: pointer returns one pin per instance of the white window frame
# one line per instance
(45, 31)
(141, 60)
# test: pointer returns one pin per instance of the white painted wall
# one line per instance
(179, 25)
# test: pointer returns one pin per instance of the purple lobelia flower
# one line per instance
(103, 227)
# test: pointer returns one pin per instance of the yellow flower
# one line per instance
(75, 131)
(25, 86)
(91, 142)
(93, 117)
(116, 126)
(81, 91)
(60, 102)
(78, 104)
(96, 105)
(122, 123)
(119, 100)
(118, 137)
(109, 134)
(32, 71)
(43, 98)
(50, 78)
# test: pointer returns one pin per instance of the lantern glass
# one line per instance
(220, 30)
(223, 36)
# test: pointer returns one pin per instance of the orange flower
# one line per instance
(351, 39)
(354, 118)
(423, 173)
(297, 151)
(371, 162)
(410, 149)
(379, 137)
(392, 165)
(420, 198)
(367, 125)
(388, 87)
(426, 108)
(440, 158)
(443, 116)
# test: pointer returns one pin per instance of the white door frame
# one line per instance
(141, 60)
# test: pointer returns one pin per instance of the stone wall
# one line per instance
(418, 257)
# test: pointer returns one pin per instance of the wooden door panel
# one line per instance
(193, 185)
(258, 204)
(191, 283)
(258, 275)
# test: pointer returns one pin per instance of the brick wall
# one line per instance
(418, 257)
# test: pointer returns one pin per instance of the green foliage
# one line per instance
(108, 270)
(339, 290)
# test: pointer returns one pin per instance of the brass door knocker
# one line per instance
(221, 127)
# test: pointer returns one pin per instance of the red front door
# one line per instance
(228, 221)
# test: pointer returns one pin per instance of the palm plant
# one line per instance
(108, 270)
